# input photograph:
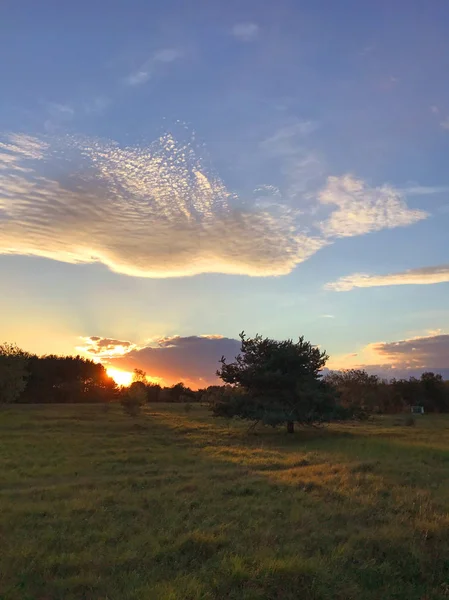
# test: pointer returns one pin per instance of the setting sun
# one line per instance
(120, 377)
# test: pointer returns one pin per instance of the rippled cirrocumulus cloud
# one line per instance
(158, 211)
(151, 212)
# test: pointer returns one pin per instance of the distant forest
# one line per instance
(28, 378)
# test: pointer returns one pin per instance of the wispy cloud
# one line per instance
(362, 209)
(445, 124)
(424, 190)
(147, 69)
(61, 109)
(96, 105)
(423, 276)
(301, 168)
(58, 116)
(289, 138)
(166, 55)
(245, 32)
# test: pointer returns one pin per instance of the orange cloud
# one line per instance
(193, 359)
(105, 347)
(400, 358)
(421, 276)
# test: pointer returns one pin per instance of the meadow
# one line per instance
(175, 505)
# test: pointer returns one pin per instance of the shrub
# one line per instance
(133, 399)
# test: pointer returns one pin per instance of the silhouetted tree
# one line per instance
(389, 399)
(277, 383)
(141, 386)
(139, 375)
(410, 391)
(153, 392)
(180, 393)
(356, 388)
(65, 379)
(13, 372)
(436, 397)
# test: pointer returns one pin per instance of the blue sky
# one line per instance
(171, 170)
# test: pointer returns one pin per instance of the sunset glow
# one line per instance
(120, 377)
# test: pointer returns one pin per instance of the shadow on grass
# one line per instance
(377, 548)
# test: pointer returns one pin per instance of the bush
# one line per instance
(133, 399)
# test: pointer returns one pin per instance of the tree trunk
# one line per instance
(290, 427)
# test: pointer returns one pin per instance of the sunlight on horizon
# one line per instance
(120, 377)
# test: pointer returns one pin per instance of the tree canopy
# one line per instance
(277, 382)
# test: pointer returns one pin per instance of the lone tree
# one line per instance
(275, 383)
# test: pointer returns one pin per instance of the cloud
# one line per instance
(96, 105)
(139, 77)
(21, 146)
(245, 32)
(146, 70)
(445, 124)
(424, 190)
(362, 209)
(422, 276)
(419, 352)
(59, 115)
(404, 358)
(167, 55)
(157, 211)
(302, 169)
(153, 211)
(105, 347)
(193, 359)
(286, 141)
(61, 109)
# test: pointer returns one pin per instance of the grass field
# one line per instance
(175, 505)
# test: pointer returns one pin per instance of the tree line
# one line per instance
(369, 394)
(30, 379)
(270, 381)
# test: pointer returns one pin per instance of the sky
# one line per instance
(172, 173)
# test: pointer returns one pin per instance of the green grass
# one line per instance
(97, 505)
